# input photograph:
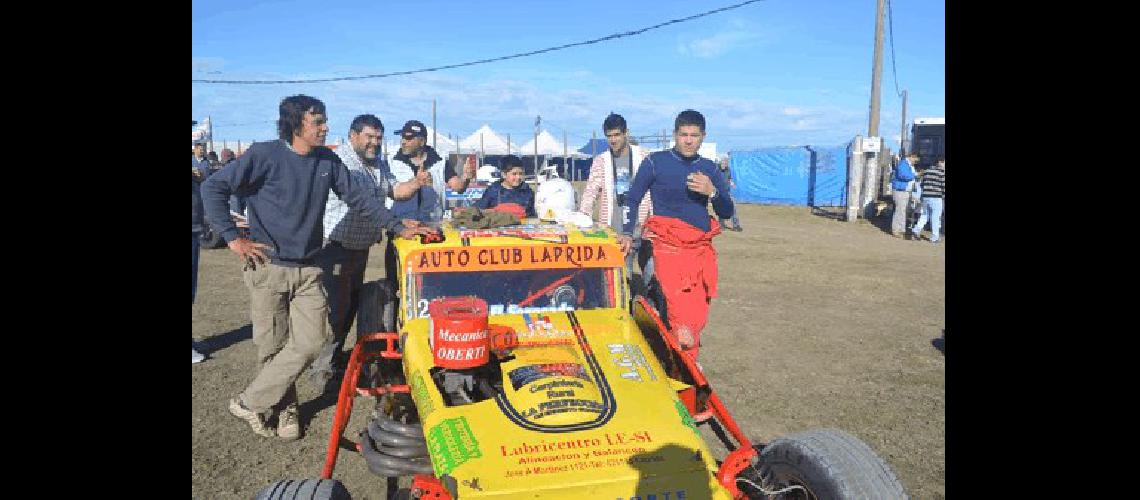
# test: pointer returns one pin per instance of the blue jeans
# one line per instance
(194, 266)
(932, 208)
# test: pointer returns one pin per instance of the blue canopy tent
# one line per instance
(594, 147)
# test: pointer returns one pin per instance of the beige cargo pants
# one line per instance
(290, 314)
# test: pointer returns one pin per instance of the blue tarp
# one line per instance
(811, 175)
(594, 146)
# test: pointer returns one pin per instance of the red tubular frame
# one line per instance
(740, 458)
(348, 391)
(429, 485)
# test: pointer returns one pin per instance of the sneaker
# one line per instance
(288, 424)
(256, 420)
(195, 356)
(738, 229)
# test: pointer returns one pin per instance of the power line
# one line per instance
(484, 61)
(891, 26)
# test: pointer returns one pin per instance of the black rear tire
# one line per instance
(828, 464)
(315, 489)
(377, 310)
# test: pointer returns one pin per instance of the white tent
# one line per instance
(547, 145)
(492, 143)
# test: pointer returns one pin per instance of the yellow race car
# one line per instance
(519, 366)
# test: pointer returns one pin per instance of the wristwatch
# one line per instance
(713, 195)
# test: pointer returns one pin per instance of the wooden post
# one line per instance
(902, 137)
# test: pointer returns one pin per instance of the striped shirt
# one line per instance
(350, 227)
(933, 183)
(600, 187)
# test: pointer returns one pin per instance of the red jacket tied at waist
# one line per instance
(686, 268)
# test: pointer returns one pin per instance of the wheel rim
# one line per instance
(799, 490)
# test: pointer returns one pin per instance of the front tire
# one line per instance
(315, 489)
(825, 464)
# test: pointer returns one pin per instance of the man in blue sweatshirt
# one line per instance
(680, 230)
(286, 185)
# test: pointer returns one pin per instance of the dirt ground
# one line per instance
(819, 323)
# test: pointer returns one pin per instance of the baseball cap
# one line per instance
(412, 128)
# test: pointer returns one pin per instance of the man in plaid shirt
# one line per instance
(348, 235)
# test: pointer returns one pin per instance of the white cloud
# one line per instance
(717, 44)
(737, 33)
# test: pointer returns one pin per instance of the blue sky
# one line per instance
(772, 73)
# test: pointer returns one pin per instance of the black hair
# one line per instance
(292, 114)
(510, 162)
(362, 121)
(689, 117)
(614, 121)
(212, 155)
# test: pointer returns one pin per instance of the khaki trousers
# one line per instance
(290, 315)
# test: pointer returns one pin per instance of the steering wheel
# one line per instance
(564, 295)
(562, 292)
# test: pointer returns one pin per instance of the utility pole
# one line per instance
(902, 139)
(876, 71)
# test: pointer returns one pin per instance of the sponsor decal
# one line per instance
(599, 451)
(452, 443)
(517, 231)
(420, 395)
(607, 403)
(630, 362)
(686, 419)
(469, 194)
(557, 406)
(559, 256)
(526, 374)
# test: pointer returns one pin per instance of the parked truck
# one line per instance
(928, 140)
